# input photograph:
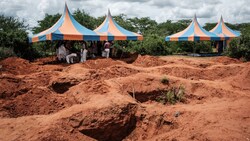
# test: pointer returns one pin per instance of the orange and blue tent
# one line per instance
(194, 32)
(66, 28)
(223, 31)
(112, 31)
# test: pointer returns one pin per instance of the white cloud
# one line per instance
(160, 10)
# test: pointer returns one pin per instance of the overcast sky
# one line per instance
(233, 11)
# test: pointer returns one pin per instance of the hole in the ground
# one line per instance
(171, 96)
(115, 125)
(62, 87)
(112, 132)
(144, 97)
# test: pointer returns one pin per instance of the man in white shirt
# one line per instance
(84, 52)
(107, 48)
(61, 53)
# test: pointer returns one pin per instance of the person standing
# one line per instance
(94, 49)
(107, 48)
(84, 52)
(62, 53)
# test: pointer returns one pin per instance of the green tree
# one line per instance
(85, 19)
(47, 22)
(209, 26)
(13, 38)
(99, 21)
(145, 25)
(240, 47)
(123, 21)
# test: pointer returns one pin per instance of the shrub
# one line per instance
(6, 52)
(240, 47)
(151, 45)
(173, 96)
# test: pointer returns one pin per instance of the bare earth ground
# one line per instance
(46, 101)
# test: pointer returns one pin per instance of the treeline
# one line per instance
(13, 36)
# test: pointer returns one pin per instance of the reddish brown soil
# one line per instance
(106, 99)
(148, 61)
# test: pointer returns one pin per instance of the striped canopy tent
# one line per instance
(66, 28)
(112, 31)
(194, 32)
(223, 31)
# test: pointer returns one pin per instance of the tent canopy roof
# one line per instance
(66, 28)
(194, 32)
(112, 31)
(223, 31)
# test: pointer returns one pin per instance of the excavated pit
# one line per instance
(62, 87)
(147, 96)
(158, 95)
(108, 134)
(113, 123)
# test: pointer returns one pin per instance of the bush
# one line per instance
(6, 52)
(240, 47)
(151, 45)
(173, 96)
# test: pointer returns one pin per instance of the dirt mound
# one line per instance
(46, 60)
(242, 78)
(226, 60)
(105, 99)
(88, 88)
(212, 73)
(12, 86)
(112, 72)
(17, 66)
(100, 63)
(148, 61)
(36, 102)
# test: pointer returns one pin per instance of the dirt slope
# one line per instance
(106, 99)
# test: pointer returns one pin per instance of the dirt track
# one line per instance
(94, 100)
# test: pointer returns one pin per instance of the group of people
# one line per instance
(65, 51)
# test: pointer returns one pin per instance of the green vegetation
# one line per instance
(13, 36)
(13, 39)
(172, 96)
(240, 47)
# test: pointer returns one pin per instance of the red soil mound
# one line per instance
(213, 73)
(148, 61)
(100, 63)
(11, 86)
(105, 99)
(36, 102)
(242, 78)
(17, 66)
(226, 60)
(112, 72)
